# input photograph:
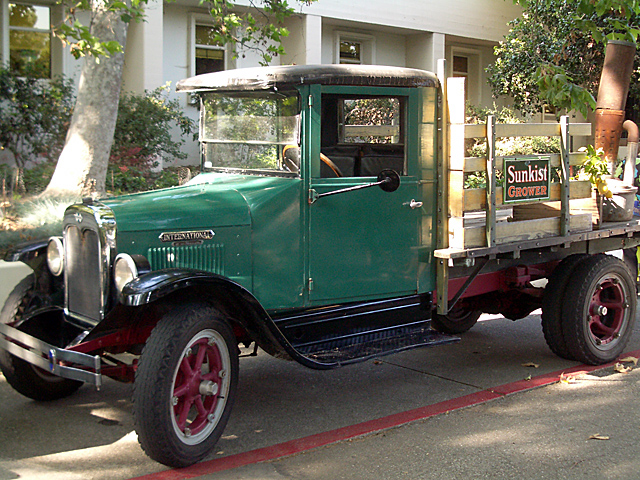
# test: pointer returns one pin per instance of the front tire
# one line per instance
(599, 310)
(27, 379)
(185, 385)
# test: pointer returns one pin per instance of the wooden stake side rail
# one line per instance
(523, 130)
(556, 216)
(558, 221)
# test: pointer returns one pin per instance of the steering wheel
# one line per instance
(291, 158)
(329, 163)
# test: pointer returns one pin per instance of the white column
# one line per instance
(4, 32)
(424, 50)
(304, 43)
(313, 39)
(143, 69)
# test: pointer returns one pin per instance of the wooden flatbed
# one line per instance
(476, 223)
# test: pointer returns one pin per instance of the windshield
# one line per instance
(250, 131)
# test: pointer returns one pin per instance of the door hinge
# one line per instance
(313, 196)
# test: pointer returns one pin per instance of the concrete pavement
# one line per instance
(90, 435)
(10, 274)
(586, 429)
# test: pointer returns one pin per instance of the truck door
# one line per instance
(363, 243)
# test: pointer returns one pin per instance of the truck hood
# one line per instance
(208, 200)
(181, 208)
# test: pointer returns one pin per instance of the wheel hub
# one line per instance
(607, 311)
(600, 310)
(208, 388)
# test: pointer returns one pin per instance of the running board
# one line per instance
(363, 346)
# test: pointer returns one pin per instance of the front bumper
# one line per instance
(57, 361)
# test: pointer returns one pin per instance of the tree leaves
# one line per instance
(262, 35)
(553, 53)
(34, 115)
(620, 368)
(244, 32)
(634, 360)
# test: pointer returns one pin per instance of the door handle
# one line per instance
(413, 204)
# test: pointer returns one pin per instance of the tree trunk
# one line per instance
(82, 167)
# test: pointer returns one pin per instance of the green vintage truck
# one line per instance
(328, 225)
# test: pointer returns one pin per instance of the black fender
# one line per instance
(33, 254)
(48, 288)
(233, 299)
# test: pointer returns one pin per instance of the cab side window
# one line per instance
(362, 135)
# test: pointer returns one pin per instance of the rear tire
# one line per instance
(458, 321)
(27, 379)
(185, 385)
(599, 310)
(552, 301)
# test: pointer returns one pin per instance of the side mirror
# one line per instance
(388, 180)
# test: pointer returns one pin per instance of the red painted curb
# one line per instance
(345, 433)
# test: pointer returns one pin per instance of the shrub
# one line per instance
(144, 134)
(34, 115)
(37, 178)
(508, 145)
(145, 123)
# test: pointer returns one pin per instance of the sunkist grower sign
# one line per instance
(526, 178)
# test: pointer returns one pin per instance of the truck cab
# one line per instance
(306, 134)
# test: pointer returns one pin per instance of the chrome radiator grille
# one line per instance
(209, 258)
(89, 247)
(83, 272)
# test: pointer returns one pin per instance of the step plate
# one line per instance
(371, 345)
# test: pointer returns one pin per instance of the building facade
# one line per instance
(174, 41)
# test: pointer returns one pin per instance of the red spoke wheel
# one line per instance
(185, 385)
(599, 309)
(200, 389)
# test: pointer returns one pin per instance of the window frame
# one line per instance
(55, 67)
(408, 99)
(202, 20)
(473, 76)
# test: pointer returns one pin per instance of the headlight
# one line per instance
(124, 271)
(55, 256)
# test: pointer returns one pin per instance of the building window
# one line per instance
(461, 70)
(460, 66)
(354, 48)
(209, 54)
(30, 40)
(350, 52)
(466, 63)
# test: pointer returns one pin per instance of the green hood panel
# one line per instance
(181, 208)
(209, 200)
(233, 220)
